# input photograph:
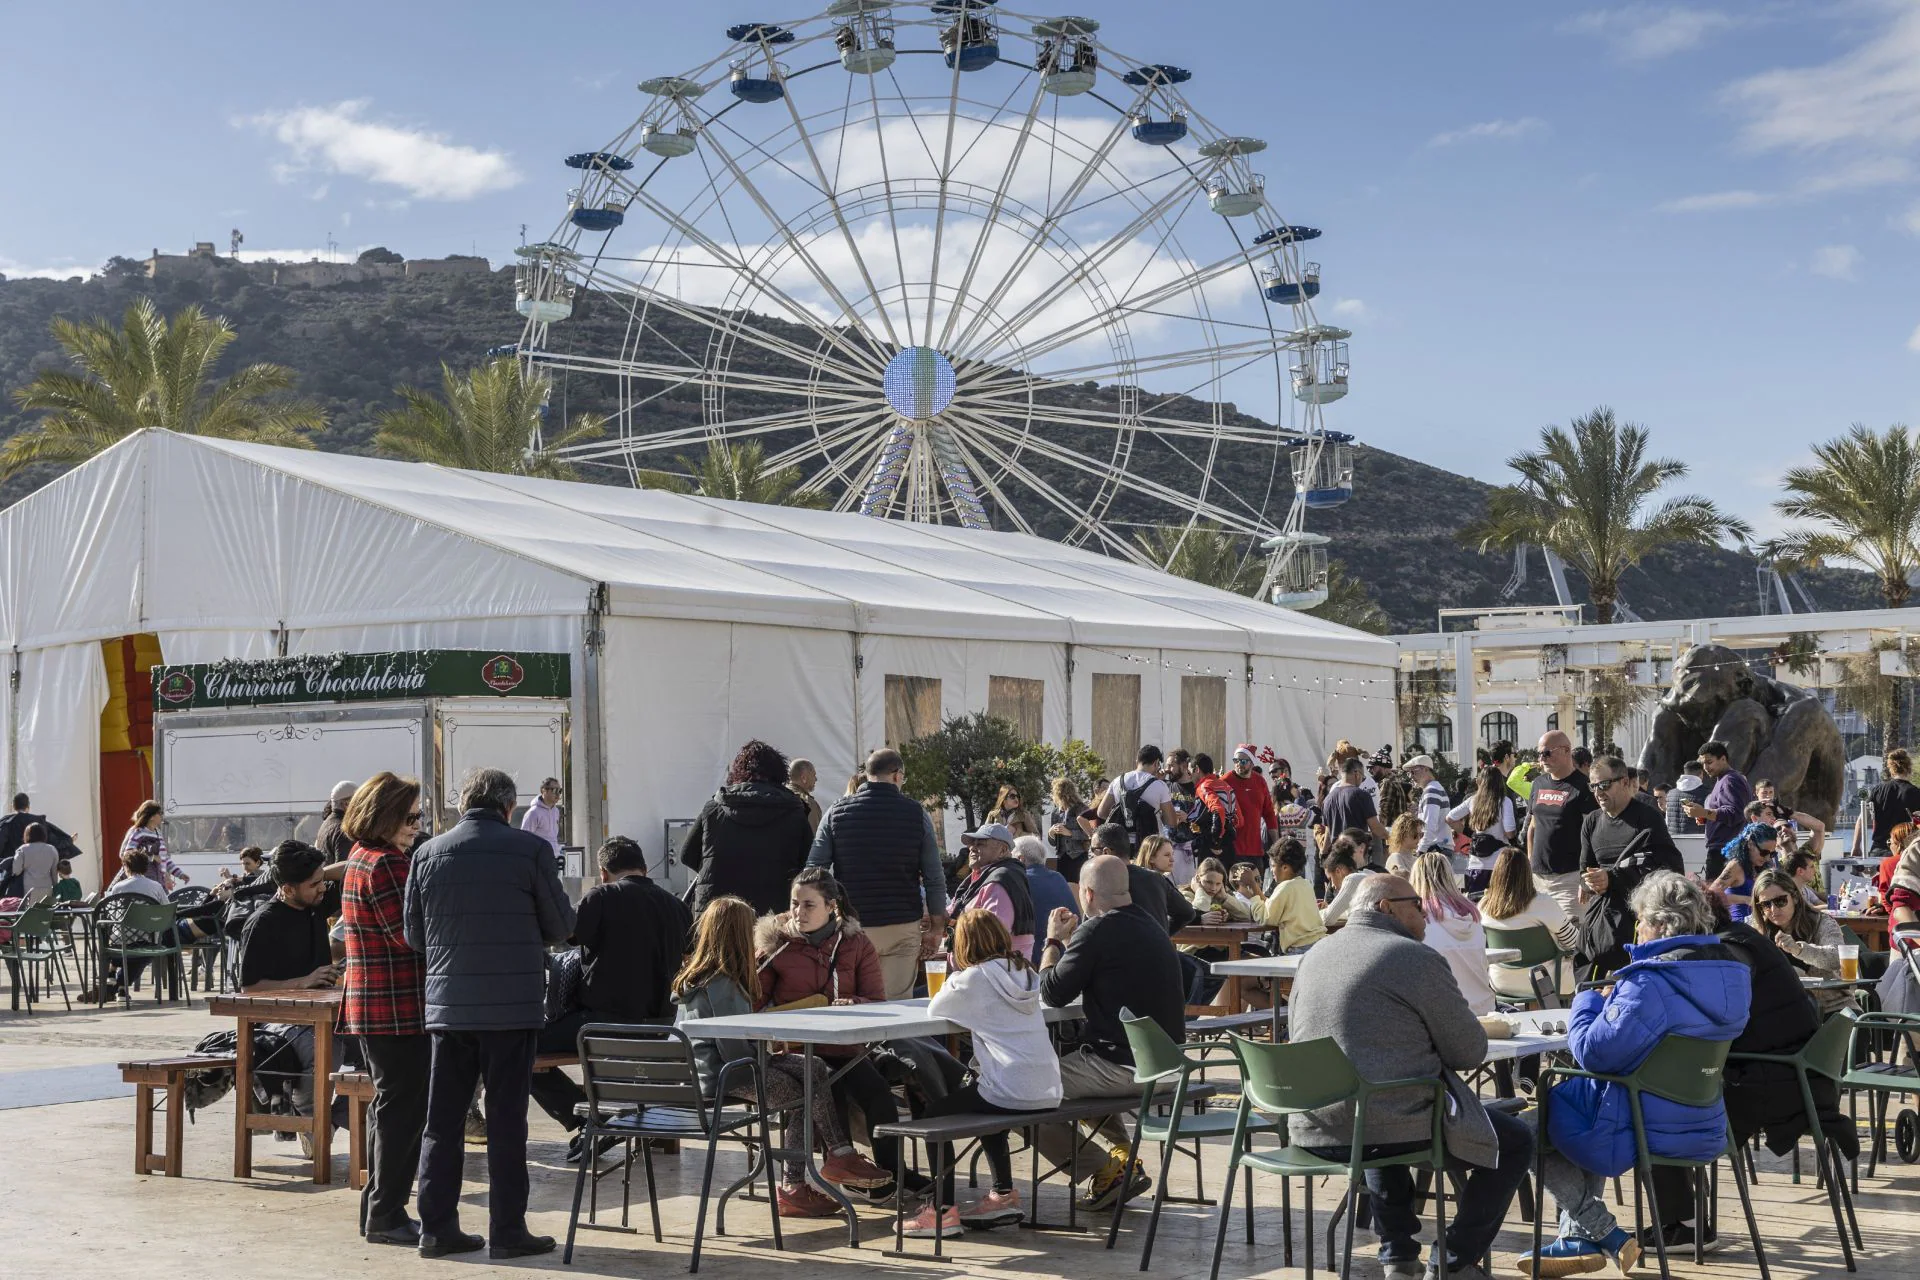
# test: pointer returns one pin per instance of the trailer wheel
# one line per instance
(1906, 1135)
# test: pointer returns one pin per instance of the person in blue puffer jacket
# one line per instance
(1680, 980)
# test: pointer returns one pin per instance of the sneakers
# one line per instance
(1679, 1236)
(1566, 1256)
(852, 1169)
(1119, 1179)
(1623, 1247)
(888, 1196)
(804, 1201)
(1402, 1269)
(994, 1209)
(476, 1128)
(923, 1226)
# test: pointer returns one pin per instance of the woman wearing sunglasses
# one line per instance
(1812, 939)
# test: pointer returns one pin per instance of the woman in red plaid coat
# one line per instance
(385, 1002)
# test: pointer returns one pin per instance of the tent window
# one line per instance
(1116, 720)
(913, 708)
(1203, 716)
(1018, 701)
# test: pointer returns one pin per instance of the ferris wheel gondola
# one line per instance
(952, 264)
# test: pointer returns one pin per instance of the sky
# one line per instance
(1703, 216)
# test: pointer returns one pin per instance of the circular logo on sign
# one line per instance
(502, 673)
(176, 686)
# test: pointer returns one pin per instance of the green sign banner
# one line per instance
(361, 677)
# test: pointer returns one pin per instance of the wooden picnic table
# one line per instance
(1871, 929)
(1230, 935)
(318, 1009)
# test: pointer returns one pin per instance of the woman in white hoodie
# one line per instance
(1453, 928)
(994, 994)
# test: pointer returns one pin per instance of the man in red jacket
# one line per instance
(1255, 818)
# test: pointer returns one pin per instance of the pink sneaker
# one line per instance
(852, 1169)
(994, 1209)
(921, 1226)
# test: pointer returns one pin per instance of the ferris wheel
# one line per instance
(953, 264)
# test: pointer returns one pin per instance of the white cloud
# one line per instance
(1497, 130)
(1351, 309)
(1913, 342)
(15, 270)
(1867, 98)
(1646, 33)
(1716, 201)
(1836, 261)
(338, 139)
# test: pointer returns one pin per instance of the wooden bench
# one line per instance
(171, 1074)
(357, 1088)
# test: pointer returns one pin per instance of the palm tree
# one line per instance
(152, 372)
(1202, 552)
(1349, 603)
(482, 421)
(1584, 495)
(1863, 500)
(738, 473)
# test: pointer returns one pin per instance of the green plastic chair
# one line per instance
(137, 935)
(1536, 947)
(35, 943)
(1281, 1080)
(1156, 1061)
(1825, 1054)
(1682, 1069)
(1878, 1080)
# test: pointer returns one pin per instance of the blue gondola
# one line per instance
(1293, 292)
(1326, 480)
(972, 40)
(1159, 133)
(760, 33)
(756, 88)
(599, 160)
(1287, 235)
(597, 219)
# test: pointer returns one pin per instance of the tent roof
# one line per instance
(171, 532)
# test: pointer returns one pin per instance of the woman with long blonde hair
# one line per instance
(994, 993)
(1011, 808)
(720, 977)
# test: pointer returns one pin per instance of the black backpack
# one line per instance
(1136, 815)
(1212, 828)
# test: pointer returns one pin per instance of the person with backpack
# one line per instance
(1140, 800)
(1212, 821)
(1256, 819)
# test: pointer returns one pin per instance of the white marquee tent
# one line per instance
(721, 621)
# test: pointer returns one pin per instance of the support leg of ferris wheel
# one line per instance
(957, 479)
(888, 469)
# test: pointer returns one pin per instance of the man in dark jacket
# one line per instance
(13, 831)
(1622, 842)
(880, 846)
(331, 840)
(1152, 892)
(483, 904)
(753, 837)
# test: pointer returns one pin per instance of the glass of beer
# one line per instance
(1849, 962)
(936, 977)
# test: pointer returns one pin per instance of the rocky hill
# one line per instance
(353, 343)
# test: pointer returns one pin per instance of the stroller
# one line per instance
(1899, 994)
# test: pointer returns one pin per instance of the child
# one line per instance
(1245, 882)
(1290, 909)
(718, 979)
(993, 993)
(66, 888)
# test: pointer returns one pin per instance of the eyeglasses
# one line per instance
(1601, 784)
(414, 817)
(1768, 904)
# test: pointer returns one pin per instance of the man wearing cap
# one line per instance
(1379, 769)
(1256, 819)
(331, 840)
(1431, 805)
(1690, 789)
(996, 882)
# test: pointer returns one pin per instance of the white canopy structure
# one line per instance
(692, 624)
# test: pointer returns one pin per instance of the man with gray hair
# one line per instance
(1392, 1006)
(1115, 958)
(483, 903)
(1046, 886)
(336, 844)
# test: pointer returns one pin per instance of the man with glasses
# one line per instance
(1622, 842)
(543, 815)
(1558, 803)
(1392, 1006)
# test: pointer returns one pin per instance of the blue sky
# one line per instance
(1703, 216)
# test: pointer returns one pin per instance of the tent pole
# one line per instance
(13, 722)
(592, 715)
(859, 725)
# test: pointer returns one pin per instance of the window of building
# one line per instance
(1499, 726)
(1116, 720)
(1203, 716)
(1020, 702)
(1434, 737)
(913, 708)
(1583, 728)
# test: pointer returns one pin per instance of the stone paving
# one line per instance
(69, 1205)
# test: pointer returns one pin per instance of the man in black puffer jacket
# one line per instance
(752, 838)
(1762, 1097)
(483, 903)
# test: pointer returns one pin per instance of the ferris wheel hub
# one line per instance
(919, 383)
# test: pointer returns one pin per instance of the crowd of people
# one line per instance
(462, 959)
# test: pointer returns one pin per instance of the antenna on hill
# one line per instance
(332, 245)
(523, 233)
(234, 241)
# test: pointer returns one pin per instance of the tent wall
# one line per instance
(62, 692)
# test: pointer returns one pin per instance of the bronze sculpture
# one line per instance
(1772, 730)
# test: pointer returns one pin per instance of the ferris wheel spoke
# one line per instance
(1079, 524)
(992, 216)
(893, 213)
(945, 174)
(1191, 357)
(1065, 457)
(721, 379)
(760, 283)
(850, 426)
(1198, 430)
(983, 475)
(799, 251)
(1042, 232)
